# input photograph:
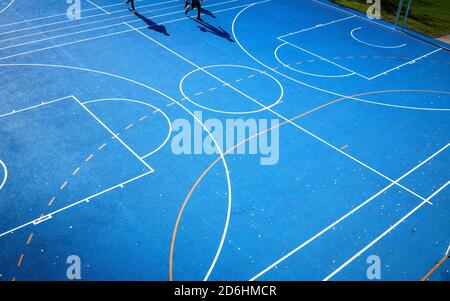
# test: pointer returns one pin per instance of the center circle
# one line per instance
(231, 89)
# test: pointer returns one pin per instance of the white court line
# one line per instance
(113, 134)
(35, 106)
(100, 8)
(314, 27)
(112, 34)
(5, 174)
(129, 14)
(274, 69)
(407, 63)
(279, 115)
(169, 123)
(370, 21)
(88, 199)
(352, 33)
(349, 70)
(100, 27)
(93, 22)
(448, 251)
(345, 216)
(9, 4)
(84, 10)
(187, 75)
(91, 113)
(384, 233)
(222, 157)
(304, 72)
(324, 59)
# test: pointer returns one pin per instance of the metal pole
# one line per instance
(399, 10)
(406, 14)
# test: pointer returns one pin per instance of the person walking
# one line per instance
(191, 4)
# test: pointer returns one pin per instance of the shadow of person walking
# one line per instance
(218, 31)
(208, 13)
(152, 25)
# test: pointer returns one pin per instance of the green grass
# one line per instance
(430, 17)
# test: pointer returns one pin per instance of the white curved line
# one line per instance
(12, 1)
(311, 86)
(372, 45)
(169, 123)
(304, 72)
(231, 112)
(227, 173)
(5, 174)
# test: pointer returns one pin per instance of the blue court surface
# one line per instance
(357, 116)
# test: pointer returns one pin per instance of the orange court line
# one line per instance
(29, 238)
(19, 263)
(183, 206)
(434, 268)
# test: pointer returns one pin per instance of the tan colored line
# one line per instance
(51, 201)
(183, 206)
(19, 263)
(434, 268)
(30, 237)
(63, 185)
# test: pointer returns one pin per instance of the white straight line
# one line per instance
(324, 59)
(98, 21)
(113, 134)
(274, 69)
(407, 63)
(314, 27)
(100, 8)
(36, 106)
(384, 233)
(368, 20)
(51, 214)
(84, 10)
(317, 235)
(229, 194)
(111, 34)
(448, 251)
(82, 31)
(279, 115)
(270, 110)
(90, 23)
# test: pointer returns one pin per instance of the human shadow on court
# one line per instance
(208, 13)
(152, 25)
(206, 27)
